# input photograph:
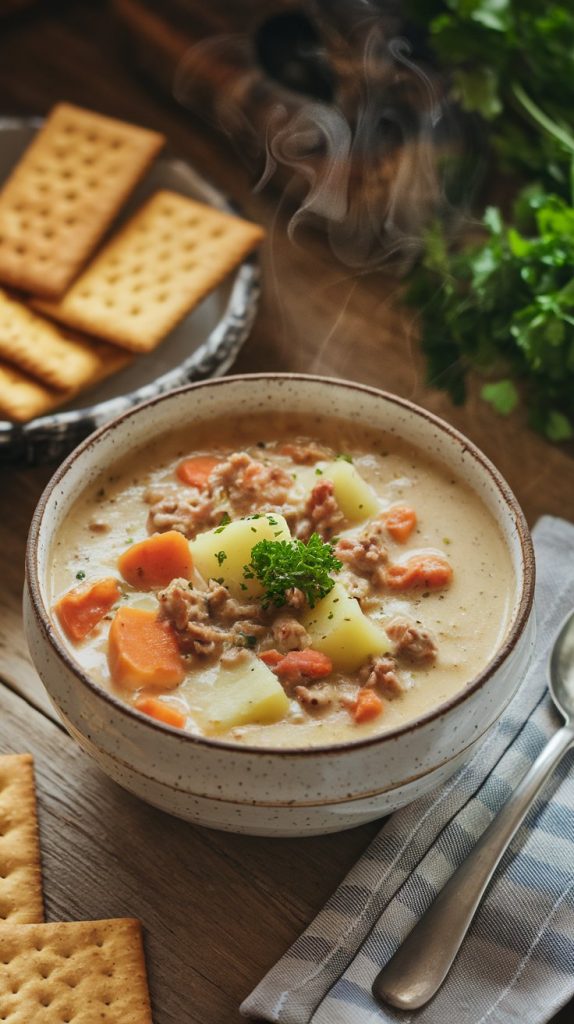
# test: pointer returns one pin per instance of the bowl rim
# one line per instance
(515, 631)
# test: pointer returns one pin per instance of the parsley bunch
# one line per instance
(506, 58)
(506, 307)
(280, 565)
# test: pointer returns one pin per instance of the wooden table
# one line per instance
(218, 909)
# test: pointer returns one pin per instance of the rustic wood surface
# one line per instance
(218, 909)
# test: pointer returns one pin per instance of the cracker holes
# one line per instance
(216, 233)
(134, 311)
(71, 196)
(69, 129)
(162, 297)
(116, 143)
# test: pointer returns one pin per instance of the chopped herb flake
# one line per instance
(80, 575)
(344, 457)
(221, 556)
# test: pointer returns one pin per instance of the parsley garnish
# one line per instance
(221, 556)
(248, 639)
(80, 575)
(344, 458)
(280, 565)
(225, 519)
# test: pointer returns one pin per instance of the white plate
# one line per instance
(203, 345)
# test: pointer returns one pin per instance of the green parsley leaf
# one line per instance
(280, 565)
(221, 556)
(80, 575)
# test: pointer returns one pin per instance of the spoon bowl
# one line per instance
(562, 670)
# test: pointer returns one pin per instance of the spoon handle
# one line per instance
(420, 965)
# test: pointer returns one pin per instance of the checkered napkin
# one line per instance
(516, 965)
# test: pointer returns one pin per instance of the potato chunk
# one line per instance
(354, 497)
(222, 553)
(339, 628)
(238, 695)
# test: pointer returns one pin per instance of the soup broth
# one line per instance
(405, 592)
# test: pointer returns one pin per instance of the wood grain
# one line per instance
(218, 910)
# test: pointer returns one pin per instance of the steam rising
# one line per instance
(368, 164)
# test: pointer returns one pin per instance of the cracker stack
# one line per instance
(88, 972)
(65, 192)
(54, 209)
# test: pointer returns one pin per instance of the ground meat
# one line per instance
(289, 634)
(188, 612)
(365, 554)
(321, 513)
(381, 674)
(412, 641)
(295, 598)
(172, 510)
(224, 607)
(250, 485)
(305, 453)
(179, 604)
(99, 526)
(234, 656)
(316, 696)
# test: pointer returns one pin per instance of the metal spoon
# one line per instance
(420, 965)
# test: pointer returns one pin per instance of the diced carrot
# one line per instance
(400, 522)
(154, 562)
(83, 607)
(163, 712)
(271, 658)
(313, 664)
(367, 706)
(427, 571)
(196, 471)
(143, 651)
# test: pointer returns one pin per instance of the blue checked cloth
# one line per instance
(516, 965)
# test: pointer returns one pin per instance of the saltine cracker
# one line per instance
(64, 193)
(20, 873)
(162, 263)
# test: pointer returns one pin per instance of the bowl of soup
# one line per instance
(279, 604)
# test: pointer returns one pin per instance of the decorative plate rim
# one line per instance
(47, 438)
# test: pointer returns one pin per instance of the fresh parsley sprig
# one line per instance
(505, 307)
(280, 565)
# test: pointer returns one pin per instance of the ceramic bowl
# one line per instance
(265, 791)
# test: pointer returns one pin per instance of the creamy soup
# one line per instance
(289, 584)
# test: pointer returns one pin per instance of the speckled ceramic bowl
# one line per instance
(258, 790)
